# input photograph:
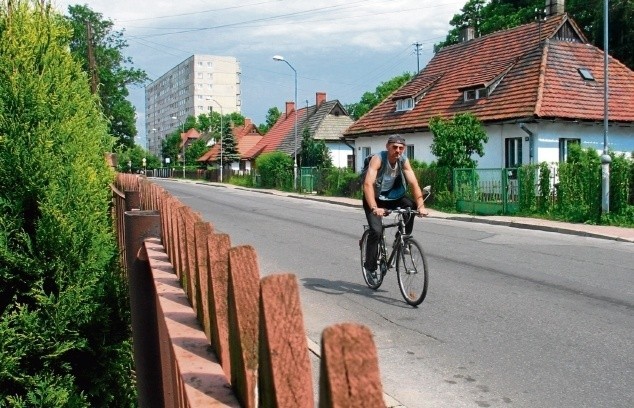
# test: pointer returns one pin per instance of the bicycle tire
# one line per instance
(412, 273)
(375, 280)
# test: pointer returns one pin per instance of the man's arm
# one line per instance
(368, 184)
(410, 176)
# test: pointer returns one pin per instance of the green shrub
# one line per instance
(275, 170)
(64, 319)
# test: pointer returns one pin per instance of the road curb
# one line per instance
(540, 226)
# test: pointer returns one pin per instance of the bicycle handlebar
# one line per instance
(403, 211)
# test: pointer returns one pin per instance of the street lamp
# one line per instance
(221, 131)
(183, 129)
(280, 58)
(605, 157)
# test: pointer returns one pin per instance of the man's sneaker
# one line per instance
(406, 249)
(370, 274)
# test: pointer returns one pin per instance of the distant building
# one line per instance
(193, 87)
(325, 120)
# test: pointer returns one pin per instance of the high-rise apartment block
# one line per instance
(193, 87)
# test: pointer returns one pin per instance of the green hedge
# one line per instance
(64, 318)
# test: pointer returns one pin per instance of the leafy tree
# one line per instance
(272, 116)
(314, 153)
(370, 99)
(170, 147)
(64, 319)
(132, 159)
(456, 140)
(194, 150)
(234, 119)
(113, 71)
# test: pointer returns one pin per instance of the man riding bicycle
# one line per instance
(385, 187)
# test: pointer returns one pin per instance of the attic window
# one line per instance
(404, 104)
(586, 74)
(473, 94)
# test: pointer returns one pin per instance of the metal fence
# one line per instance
(487, 191)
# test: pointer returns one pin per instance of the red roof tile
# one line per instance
(281, 137)
(531, 69)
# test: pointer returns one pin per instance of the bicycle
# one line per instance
(407, 256)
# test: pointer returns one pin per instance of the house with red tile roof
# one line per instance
(325, 120)
(246, 136)
(536, 88)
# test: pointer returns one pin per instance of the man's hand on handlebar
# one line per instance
(422, 212)
(379, 212)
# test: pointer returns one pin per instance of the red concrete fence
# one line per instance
(209, 331)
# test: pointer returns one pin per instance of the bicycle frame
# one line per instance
(399, 240)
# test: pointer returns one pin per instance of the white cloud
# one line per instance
(341, 47)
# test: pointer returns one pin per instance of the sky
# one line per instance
(341, 47)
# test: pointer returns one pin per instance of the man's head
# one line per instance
(395, 146)
(396, 139)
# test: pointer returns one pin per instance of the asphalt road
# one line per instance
(513, 317)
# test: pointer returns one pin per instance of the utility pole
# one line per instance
(417, 45)
(92, 64)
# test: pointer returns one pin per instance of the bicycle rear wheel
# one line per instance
(372, 279)
(412, 272)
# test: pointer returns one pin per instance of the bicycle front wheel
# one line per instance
(412, 272)
(373, 279)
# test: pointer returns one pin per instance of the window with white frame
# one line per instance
(473, 94)
(512, 152)
(404, 104)
(564, 147)
(409, 152)
(365, 152)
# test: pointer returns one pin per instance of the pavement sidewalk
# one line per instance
(595, 231)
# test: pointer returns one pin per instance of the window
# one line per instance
(404, 104)
(409, 152)
(564, 146)
(513, 152)
(365, 152)
(586, 74)
(473, 94)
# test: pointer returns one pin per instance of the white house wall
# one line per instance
(545, 136)
(620, 139)
(339, 153)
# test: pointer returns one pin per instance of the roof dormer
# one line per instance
(409, 95)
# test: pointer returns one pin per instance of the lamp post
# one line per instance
(605, 157)
(184, 141)
(221, 131)
(280, 58)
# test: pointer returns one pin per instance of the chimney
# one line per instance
(320, 97)
(555, 7)
(247, 122)
(467, 34)
(290, 107)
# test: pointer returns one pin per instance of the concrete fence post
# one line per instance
(349, 373)
(202, 230)
(284, 373)
(217, 283)
(244, 293)
(141, 225)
